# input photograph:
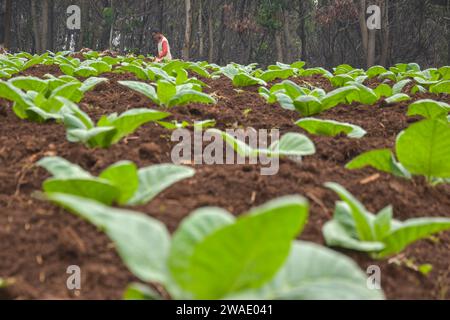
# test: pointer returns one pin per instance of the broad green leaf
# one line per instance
(235, 257)
(90, 83)
(271, 75)
(307, 105)
(143, 88)
(337, 96)
(155, 179)
(292, 144)
(363, 94)
(383, 222)
(245, 80)
(141, 241)
(399, 86)
(412, 231)
(29, 83)
(330, 128)
(441, 87)
(429, 109)
(382, 160)
(91, 188)
(336, 235)
(313, 272)
(124, 176)
(165, 91)
(95, 137)
(9, 92)
(139, 72)
(192, 231)
(62, 169)
(363, 219)
(383, 90)
(130, 121)
(424, 148)
(396, 98)
(375, 71)
(190, 96)
(445, 72)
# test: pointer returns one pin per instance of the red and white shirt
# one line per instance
(164, 50)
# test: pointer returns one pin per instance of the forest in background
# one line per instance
(321, 32)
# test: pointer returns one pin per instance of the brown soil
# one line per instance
(38, 241)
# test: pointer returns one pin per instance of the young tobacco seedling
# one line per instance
(214, 255)
(422, 149)
(290, 145)
(122, 183)
(109, 129)
(354, 227)
(168, 94)
(330, 128)
(37, 99)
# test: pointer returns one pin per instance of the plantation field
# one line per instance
(39, 239)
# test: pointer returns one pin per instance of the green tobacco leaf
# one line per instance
(412, 231)
(292, 145)
(234, 258)
(307, 105)
(157, 178)
(143, 88)
(192, 231)
(336, 235)
(124, 176)
(130, 121)
(10, 92)
(445, 72)
(271, 75)
(375, 71)
(362, 218)
(191, 96)
(139, 72)
(91, 188)
(95, 137)
(363, 94)
(165, 91)
(396, 98)
(29, 83)
(429, 109)
(337, 96)
(90, 83)
(441, 87)
(141, 241)
(424, 148)
(382, 160)
(62, 169)
(330, 128)
(399, 86)
(383, 90)
(245, 80)
(313, 272)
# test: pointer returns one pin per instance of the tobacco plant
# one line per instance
(354, 227)
(122, 183)
(214, 255)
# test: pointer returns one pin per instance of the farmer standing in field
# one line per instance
(163, 46)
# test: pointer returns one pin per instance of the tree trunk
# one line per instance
(161, 14)
(201, 49)
(211, 34)
(51, 22)
(301, 30)
(363, 27)
(188, 30)
(371, 48)
(36, 32)
(287, 36)
(279, 46)
(113, 20)
(44, 24)
(7, 24)
(385, 38)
